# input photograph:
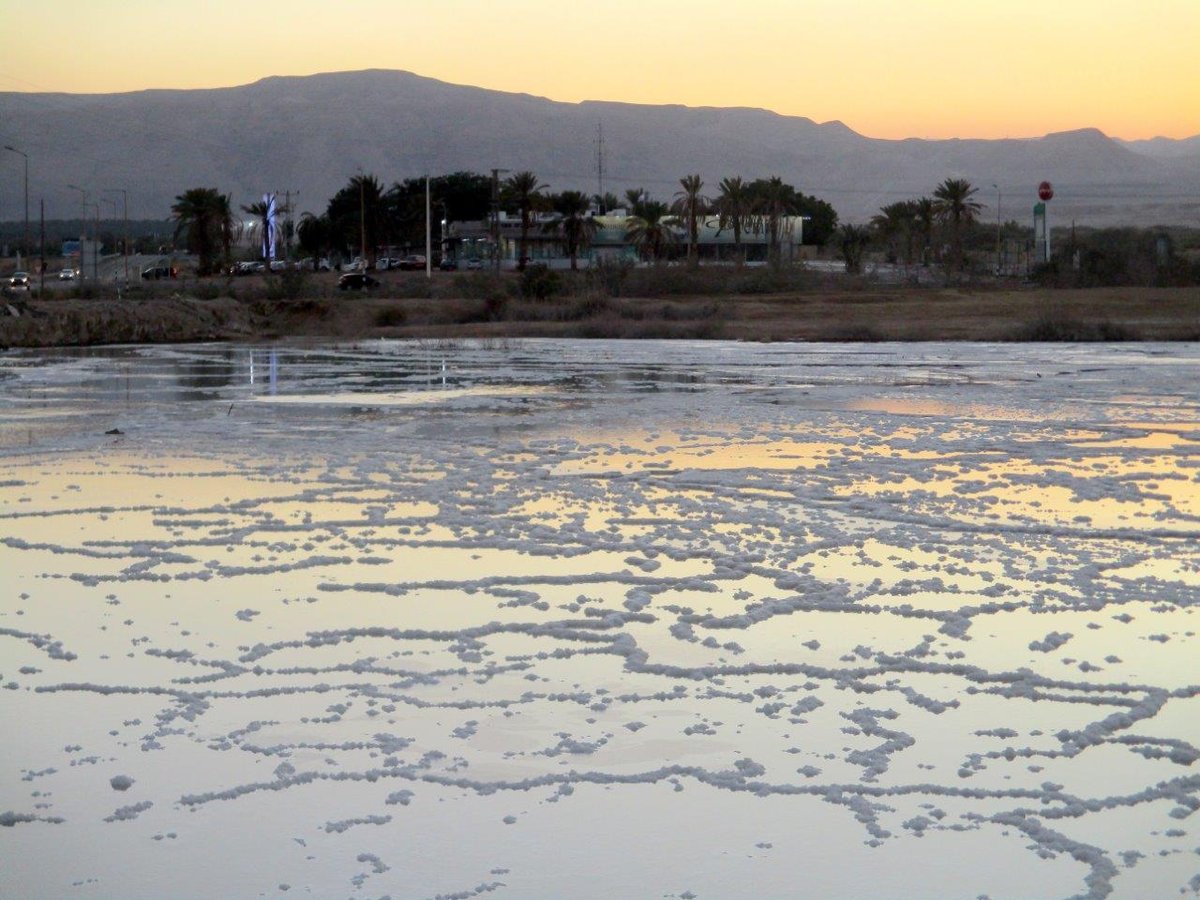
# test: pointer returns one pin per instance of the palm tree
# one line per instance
(923, 216)
(204, 216)
(358, 214)
(575, 222)
(606, 202)
(773, 200)
(635, 198)
(228, 229)
(893, 223)
(650, 231)
(853, 239)
(691, 205)
(953, 206)
(524, 191)
(314, 235)
(734, 205)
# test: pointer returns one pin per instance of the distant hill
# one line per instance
(310, 134)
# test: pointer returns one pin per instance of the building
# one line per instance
(476, 240)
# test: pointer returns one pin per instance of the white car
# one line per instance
(67, 274)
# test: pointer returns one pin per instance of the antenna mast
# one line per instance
(600, 162)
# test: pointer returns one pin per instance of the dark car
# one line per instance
(155, 272)
(356, 281)
(447, 264)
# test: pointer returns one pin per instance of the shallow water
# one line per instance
(559, 619)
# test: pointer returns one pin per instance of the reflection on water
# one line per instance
(400, 619)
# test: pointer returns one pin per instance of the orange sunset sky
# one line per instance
(887, 68)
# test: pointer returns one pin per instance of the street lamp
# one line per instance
(26, 156)
(83, 227)
(125, 213)
(997, 187)
(496, 173)
(96, 253)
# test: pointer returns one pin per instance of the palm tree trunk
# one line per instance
(524, 238)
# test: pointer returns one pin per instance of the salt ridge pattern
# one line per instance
(636, 619)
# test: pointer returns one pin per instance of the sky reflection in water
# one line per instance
(920, 616)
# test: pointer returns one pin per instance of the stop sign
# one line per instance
(1045, 191)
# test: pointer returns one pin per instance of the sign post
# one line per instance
(1045, 194)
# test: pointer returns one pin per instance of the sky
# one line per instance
(886, 68)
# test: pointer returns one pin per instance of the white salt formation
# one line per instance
(603, 619)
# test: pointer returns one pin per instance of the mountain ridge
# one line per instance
(310, 133)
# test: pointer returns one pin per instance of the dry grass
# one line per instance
(859, 314)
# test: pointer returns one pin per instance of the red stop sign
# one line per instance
(1045, 191)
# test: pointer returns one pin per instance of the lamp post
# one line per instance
(25, 155)
(82, 227)
(496, 173)
(96, 254)
(362, 218)
(997, 187)
(125, 215)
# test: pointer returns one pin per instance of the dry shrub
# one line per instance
(1064, 329)
(850, 334)
(390, 316)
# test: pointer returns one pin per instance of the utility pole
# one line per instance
(600, 166)
(289, 224)
(997, 187)
(428, 234)
(362, 219)
(26, 156)
(42, 252)
(496, 219)
(125, 216)
(96, 254)
(82, 227)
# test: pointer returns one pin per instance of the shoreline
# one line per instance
(863, 315)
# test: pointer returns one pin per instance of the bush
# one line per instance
(288, 284)
(589, 306)
(851, 334)
(390, 316)
(476, 286)
(610, 275)
(410, 287)
(1063, 329)
(539, 283)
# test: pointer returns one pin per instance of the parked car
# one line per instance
(356, 281)
(474, 264)
(67, 274)
(321, 265)
(411, 263)
(153, 273)
(447, 264)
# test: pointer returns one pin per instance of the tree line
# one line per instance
(942, 228)
(365, 214)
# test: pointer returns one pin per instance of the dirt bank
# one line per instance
(878, 314)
